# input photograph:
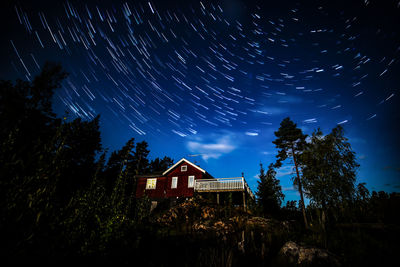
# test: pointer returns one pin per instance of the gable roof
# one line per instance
(185, 160)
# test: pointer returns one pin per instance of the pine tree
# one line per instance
(118, 162)
(290, 142)
(159, 165)
(269, 191)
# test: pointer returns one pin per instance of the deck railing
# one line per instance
(222, 184)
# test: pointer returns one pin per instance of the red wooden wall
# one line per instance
(163, 185)
(182, 189)
(152, 193)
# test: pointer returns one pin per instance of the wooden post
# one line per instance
(218, 198)
(244, 200)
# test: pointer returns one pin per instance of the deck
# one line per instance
(223, 185)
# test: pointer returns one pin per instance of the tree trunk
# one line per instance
(300, 190)
(323, 224)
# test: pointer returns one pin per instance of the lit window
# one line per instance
(183, 168)
(191, 181)
(174, 183)
(151, 183)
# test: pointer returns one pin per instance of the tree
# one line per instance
(290, 142)
(329, 169)
(53, 199)
(81, 144)
(362, 193)
(117, 164)
(29, 151)
(44, 162)
(158, 165)
(140, 162)
(291, 205)
(269, 191)
(27, 123)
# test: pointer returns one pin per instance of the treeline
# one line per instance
(59, 196)
(325, 172)
(342, 216)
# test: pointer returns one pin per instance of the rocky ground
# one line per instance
(231, 237)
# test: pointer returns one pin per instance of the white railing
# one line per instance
(221, 184)
(236, 183)
(248, 190)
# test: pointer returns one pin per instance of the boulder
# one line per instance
(292, 254)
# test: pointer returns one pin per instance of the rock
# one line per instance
(207, 213)
(292, 254)
(218, 228)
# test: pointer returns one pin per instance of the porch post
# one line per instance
(218, 198)
(244, 200)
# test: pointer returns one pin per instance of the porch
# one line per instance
(220, 185)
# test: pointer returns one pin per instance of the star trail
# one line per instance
(213, 79)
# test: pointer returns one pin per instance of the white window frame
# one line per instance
(151, 183)
(174, 185)
(191, 184)
(183, 168)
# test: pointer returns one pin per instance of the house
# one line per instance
(183, 180)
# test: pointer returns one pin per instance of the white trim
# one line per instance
(183, 170)
(183, 159)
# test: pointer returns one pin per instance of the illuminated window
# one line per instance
(174, 183)
(191, 181)
(151, 183)
(183, 168)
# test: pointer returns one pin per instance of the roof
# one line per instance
(188, 162)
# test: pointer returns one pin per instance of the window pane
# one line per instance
(151, 183)
(183, 168)
(174, 183)
(191, 181)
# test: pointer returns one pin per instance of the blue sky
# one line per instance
(215, 78)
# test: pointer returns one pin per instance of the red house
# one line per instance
(176, 182)
(183, 179)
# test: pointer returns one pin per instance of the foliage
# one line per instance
(159, 165)
(329, 169)
(269, 191)
(31, 155)
(57, 200)
(365, 232)
(290, 141)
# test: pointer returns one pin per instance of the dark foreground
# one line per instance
(196, 233)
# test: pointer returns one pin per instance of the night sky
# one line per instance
(211, 80)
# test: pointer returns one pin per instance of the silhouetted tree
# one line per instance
(329, 169)
(291, 141)
(30, 150)
(159, 165)
(362, 192)
(291, 205)
(81, 144)
(269, 191)
(117, 164)
(140, 162)
(329, 174)
(43, 163)
(28, 124)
